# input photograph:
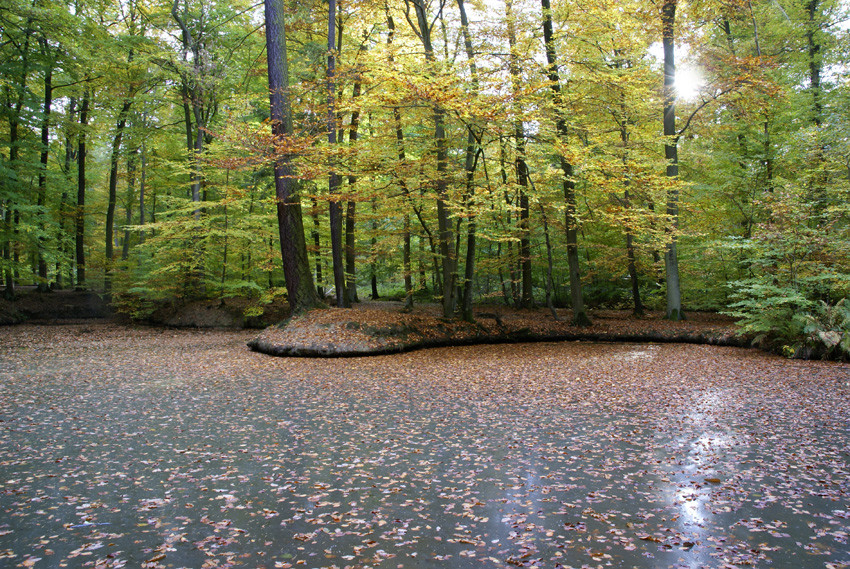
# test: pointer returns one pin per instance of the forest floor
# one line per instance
(384, 327)
(381, 327)
(128, 446)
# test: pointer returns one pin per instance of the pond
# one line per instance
(165, 448)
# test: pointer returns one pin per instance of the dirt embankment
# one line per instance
(381, 328)
(68, 305)
(377, 327)
(52, 306)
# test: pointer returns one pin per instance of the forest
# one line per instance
(637, 154)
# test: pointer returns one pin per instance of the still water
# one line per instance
(129, 448)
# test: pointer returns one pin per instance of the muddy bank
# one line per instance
(383, 328)
(62, 306)
(51, 306)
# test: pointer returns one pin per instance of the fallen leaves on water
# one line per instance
(149, 447)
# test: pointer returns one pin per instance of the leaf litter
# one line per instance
(166, 448)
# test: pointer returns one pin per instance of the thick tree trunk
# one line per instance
(296, 268)
(579, 315)
(11, 214)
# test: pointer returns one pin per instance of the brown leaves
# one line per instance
(381, 327)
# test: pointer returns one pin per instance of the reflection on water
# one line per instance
(557, 455)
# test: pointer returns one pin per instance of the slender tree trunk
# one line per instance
(81, 193)
(10, 255)
(42, 174)
(818, 179)
(334, 178)
(142, 188)
(351, 212)
(671, 153)
(580, 317)
(627, 204)
(317, 245)
(296, 268)
(64, 212)
(813, 49)
(549, 265)
(399, 135)
(446, 234)
(521, 167)
(132, 162)
(350, 253)
(113, 193)
(633, 276)
(469, 166)
(373, 252)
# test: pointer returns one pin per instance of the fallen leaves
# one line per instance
(183, 448)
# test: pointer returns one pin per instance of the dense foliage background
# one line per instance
(474, 156)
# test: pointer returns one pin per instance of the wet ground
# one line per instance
(160, 448)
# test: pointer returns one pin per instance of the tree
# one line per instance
(671, 153)
(448, 256)
(296, 268)
(334, 178)
(579, 315)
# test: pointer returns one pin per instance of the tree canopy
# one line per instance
(436, 150)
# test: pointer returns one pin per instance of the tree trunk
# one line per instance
(549, 265)
(317, 244)
(11, 213)
(334, 178)
(521, 167)
(350, 250)
(64, 212)
(813, 48)
(399, 135)
(113, 193)
(132, 161)
(469, 166)
(633, 276)
(350, 215)
(143, 177)
(42, 174)
(296, 268)
(81, 193)
(627, 204)
(373, 252)
(671, 153)
(446, 233)
(580, 317)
